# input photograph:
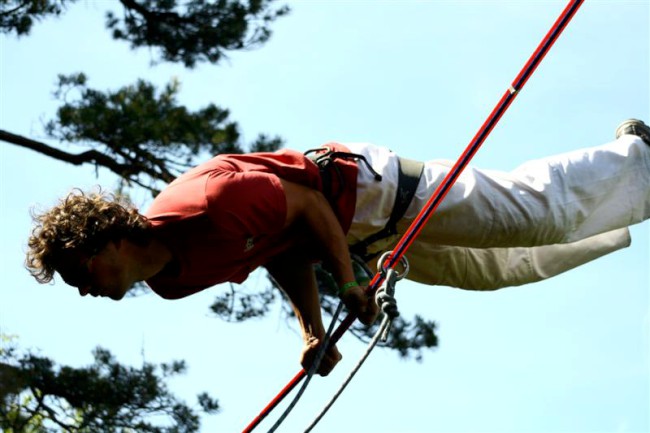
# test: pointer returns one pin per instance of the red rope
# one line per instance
(444, 187)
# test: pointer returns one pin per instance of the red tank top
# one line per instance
(225, 217)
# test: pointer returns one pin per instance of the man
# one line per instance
(285, 211)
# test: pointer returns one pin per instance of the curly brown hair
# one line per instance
(81, 223)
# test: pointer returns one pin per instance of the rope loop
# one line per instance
(385, 295)
(384, 260)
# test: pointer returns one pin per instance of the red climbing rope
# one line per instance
(442, 190)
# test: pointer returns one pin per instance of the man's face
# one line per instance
(103, 273)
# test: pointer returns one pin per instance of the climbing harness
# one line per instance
(396, 256)
(325, 158)
(409, 174)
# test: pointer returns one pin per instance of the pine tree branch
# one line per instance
(16, 9)
(89, 156)
(148, 14)
(12, 380)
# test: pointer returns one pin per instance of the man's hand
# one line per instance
(316, 232)
(331, 357)
(361, 305)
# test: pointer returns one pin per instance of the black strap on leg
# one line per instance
(325, 157)
(409, 175)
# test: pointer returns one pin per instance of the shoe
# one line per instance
(634, 127)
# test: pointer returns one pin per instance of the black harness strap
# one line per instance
(409, 174)
(324, 158)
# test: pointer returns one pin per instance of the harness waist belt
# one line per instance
(409, 173)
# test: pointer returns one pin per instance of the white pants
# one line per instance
(496, 229)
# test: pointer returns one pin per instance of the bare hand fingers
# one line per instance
(361, 305)
(329, 360)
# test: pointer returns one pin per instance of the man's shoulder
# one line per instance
(181, 199)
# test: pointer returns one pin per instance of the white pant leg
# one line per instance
(553, 200)
(495, 268)
(498, 229)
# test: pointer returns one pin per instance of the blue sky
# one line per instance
(569, 354)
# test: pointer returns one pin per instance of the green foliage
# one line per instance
(105, 397)
(187, 31)
(195, 30)
(19, 15)
(240, 304)
(145, 131)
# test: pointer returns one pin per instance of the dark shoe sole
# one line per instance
(634, 127)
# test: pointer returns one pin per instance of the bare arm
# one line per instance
(307, 208)
(296, 277)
